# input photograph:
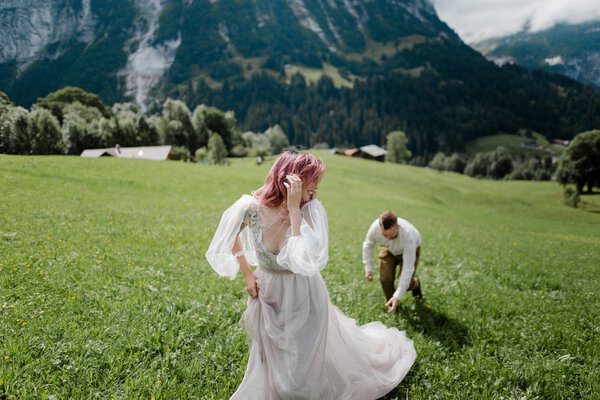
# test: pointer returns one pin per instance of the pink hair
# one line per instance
(307, 166)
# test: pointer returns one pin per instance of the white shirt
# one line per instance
(405, 243)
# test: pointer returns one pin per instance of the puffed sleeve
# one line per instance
(219, 254)
(307, 254)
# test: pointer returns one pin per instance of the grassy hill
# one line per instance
(517, 145)
(105, 291)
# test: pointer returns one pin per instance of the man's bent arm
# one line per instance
(367, 249)
(408, 268)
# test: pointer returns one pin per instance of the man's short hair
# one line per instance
(388, 219)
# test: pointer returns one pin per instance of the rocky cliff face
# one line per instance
(585, 68)
(146, 63)
(35, 29)
(133, 44)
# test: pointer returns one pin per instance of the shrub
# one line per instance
(418, 161)
(542, 175)
(502, 163)
(180, 153)
(494, 164)
(277, 139)
(571, 197)
(455, 163)
(438, 161)
(201, 154)
(257, 143)
(248, 138)
(238, 150)
(516, 175)
(528, 174)
(479, 165)
(217, 152)
(260, 151)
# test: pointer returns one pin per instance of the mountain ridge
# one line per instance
(213, 37)
(569, 49)
(338, 71)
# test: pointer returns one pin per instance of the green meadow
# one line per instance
(105, 292)
(513, 143)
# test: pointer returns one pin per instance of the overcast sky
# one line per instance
(476, 20)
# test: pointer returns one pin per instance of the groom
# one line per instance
(400, 244)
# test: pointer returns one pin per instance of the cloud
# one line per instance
(477, 20)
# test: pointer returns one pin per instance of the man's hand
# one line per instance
(392, 304)
(369, 275)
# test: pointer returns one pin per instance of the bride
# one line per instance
(303, 347)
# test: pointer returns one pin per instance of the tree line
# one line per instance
(577, 168)
(71, 120)
(450, 99)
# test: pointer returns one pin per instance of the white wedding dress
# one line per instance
(303, 347)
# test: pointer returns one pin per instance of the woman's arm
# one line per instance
(219, 254)
(249, 277)
(294, 195)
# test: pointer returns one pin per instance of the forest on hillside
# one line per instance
(441, 109)
(71, 120)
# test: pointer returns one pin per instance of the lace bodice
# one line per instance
(265, 258)
(304, 254)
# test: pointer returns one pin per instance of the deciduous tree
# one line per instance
(277, 138)
(217, 152)
(44, 132)
(397, 147)
(580, 164)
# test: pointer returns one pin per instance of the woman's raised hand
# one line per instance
(294, 192)
(294, 195)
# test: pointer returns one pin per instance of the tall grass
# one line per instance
(105, 293)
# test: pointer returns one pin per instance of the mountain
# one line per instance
(572, 50)
(127, 48)
(345, 72)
